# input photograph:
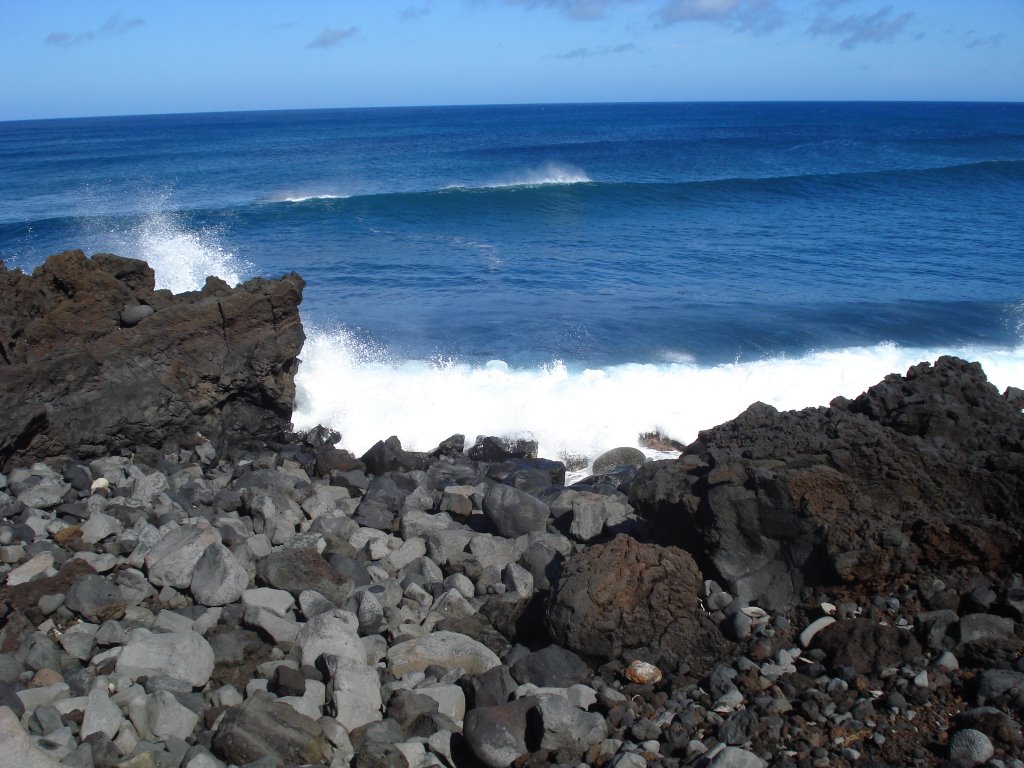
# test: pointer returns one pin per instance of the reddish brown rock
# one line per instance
(85, 372)
(629, 596)
(921, 472)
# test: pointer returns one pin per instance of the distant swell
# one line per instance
(544, 190)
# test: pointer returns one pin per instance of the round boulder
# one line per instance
(628, 596)
(619, 457)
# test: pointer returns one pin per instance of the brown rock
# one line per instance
(626, 595)
(77, 381)
(866, 645)
(923, 472)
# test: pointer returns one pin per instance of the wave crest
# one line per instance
(365, 394)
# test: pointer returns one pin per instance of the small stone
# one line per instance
(29, 570)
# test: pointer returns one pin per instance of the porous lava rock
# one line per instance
(922, 471)
(84, 374)
(627, 596)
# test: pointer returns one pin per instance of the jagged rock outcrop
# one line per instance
(94, 359)
(921, 471)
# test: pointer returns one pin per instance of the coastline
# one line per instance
(833, 585)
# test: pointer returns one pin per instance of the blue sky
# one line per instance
(65, 58)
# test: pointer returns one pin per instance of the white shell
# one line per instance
(642, 672)
(754, 612)
(98, 483)
(829, 608)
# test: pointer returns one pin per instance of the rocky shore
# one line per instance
(188, 584)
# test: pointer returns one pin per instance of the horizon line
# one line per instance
(509, 104)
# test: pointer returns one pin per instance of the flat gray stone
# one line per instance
(16, 750)
(444, 649)
(185, 656)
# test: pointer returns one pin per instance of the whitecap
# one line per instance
(573, 410)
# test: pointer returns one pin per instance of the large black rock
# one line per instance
(93, 359)
(923, 472)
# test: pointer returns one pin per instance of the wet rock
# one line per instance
(619, 457)
(627, 595)
(502, 449)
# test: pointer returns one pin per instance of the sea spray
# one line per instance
(577, 411)
(181, 257)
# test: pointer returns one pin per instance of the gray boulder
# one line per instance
(498, 735)
(171, 562)
(96, 599)
(218, 578)
(619, 457)
(185, 656)
(513, 512)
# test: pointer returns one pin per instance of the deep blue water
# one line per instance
(682, 237)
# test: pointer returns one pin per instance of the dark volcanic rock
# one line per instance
(865, 645)
(78, 380)
(625, 595)
(295, 570)
(924, 471)
(551, 667)
(262, 727)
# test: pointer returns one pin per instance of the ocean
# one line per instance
(579, 273)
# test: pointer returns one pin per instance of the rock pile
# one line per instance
(831, 587)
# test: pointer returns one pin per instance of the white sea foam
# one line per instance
(302, 198)
(367, 397)
(182, 257)
(548, 173)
